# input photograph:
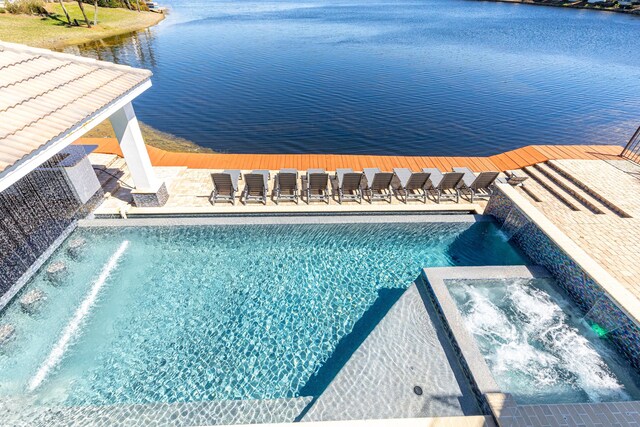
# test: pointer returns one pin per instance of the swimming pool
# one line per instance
(538, 344)
(189, 314)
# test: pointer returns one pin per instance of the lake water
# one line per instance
(430, 77)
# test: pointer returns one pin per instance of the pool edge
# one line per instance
(287, 219)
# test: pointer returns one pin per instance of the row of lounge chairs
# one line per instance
(371, 184)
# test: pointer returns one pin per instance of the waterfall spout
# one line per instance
(513, 223)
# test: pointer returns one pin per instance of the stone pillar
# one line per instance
(149, 191)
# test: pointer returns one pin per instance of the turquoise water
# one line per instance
(202, 313)
(411, 77)
(538, 346)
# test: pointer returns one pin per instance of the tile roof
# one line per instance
(45, 94)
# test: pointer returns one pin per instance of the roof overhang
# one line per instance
(22, 167)
(50, 99)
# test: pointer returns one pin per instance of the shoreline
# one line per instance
(580, 5)
(115, 32)
(154, 138)
(52, 32)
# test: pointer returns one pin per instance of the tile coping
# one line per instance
(280, 219)
(463, 421)
(303, 208)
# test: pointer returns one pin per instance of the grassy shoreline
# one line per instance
(52, 32)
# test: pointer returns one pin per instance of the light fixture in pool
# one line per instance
(599, 330)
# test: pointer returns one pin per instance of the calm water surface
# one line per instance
(437, 77)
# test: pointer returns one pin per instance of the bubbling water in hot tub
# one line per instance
(537, 345)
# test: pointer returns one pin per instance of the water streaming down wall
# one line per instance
(38, 208)
(512, 224)
(600, 310)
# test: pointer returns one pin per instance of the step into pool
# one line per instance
(255, 322)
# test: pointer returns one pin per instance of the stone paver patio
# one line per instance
(190, 189)
(612, 241)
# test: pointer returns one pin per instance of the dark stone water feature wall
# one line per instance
(34, 212)
(594, 301)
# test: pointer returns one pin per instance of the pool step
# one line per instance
(550, 187)
(590, 191)
(571, 189)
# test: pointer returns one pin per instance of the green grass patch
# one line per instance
(53, 31)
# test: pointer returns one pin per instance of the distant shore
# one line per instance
(608, 6)
(52, 32)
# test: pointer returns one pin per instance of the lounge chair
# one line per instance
(514, 179)
(315, 185)
(256, 186)
(347, 184)
(443, 186)
(378, 184)
(410, 185)
(286, 185)
(476, 185)
(225, 186)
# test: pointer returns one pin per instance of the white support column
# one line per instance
(149, 191)
(127, 130)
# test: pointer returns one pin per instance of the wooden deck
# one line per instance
(514, 159)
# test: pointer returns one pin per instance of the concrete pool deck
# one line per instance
(190, 189)
(188, 177)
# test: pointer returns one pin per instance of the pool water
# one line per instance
(203, 313)
(538, 345)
